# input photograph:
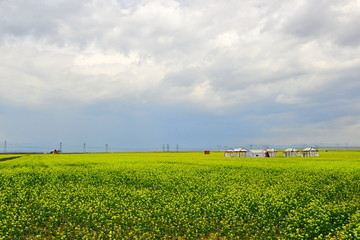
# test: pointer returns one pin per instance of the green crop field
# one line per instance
(179, 196)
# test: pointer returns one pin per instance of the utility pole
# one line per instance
(5, 147)
(163, 147)
(60, 147)
(168, 147)
(106, 148)
(177, 147)
(84, 148)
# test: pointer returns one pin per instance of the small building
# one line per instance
(310, 152)
(291, 152)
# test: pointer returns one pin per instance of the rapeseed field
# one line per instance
(179, 196)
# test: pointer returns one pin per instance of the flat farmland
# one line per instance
(179, 196)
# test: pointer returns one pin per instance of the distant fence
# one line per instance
(11, 148)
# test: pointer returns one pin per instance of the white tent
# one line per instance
(310, 152)
(291, 152)
(258, 153)
(272, 152)
(236, 152)
(242, 152)
(267, 152)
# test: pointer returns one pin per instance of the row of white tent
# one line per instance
(271, 152)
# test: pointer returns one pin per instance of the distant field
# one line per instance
(179, 196)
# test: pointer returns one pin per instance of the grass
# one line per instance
(179, 196)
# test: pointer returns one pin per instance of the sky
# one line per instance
(143, 74)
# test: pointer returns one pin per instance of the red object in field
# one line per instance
(55, 151)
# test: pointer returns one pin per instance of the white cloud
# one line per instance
(229, 46)
(213, 57)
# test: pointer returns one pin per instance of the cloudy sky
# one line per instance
(137, 74)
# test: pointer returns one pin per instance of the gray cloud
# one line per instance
(311, 19)
(334, 21)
